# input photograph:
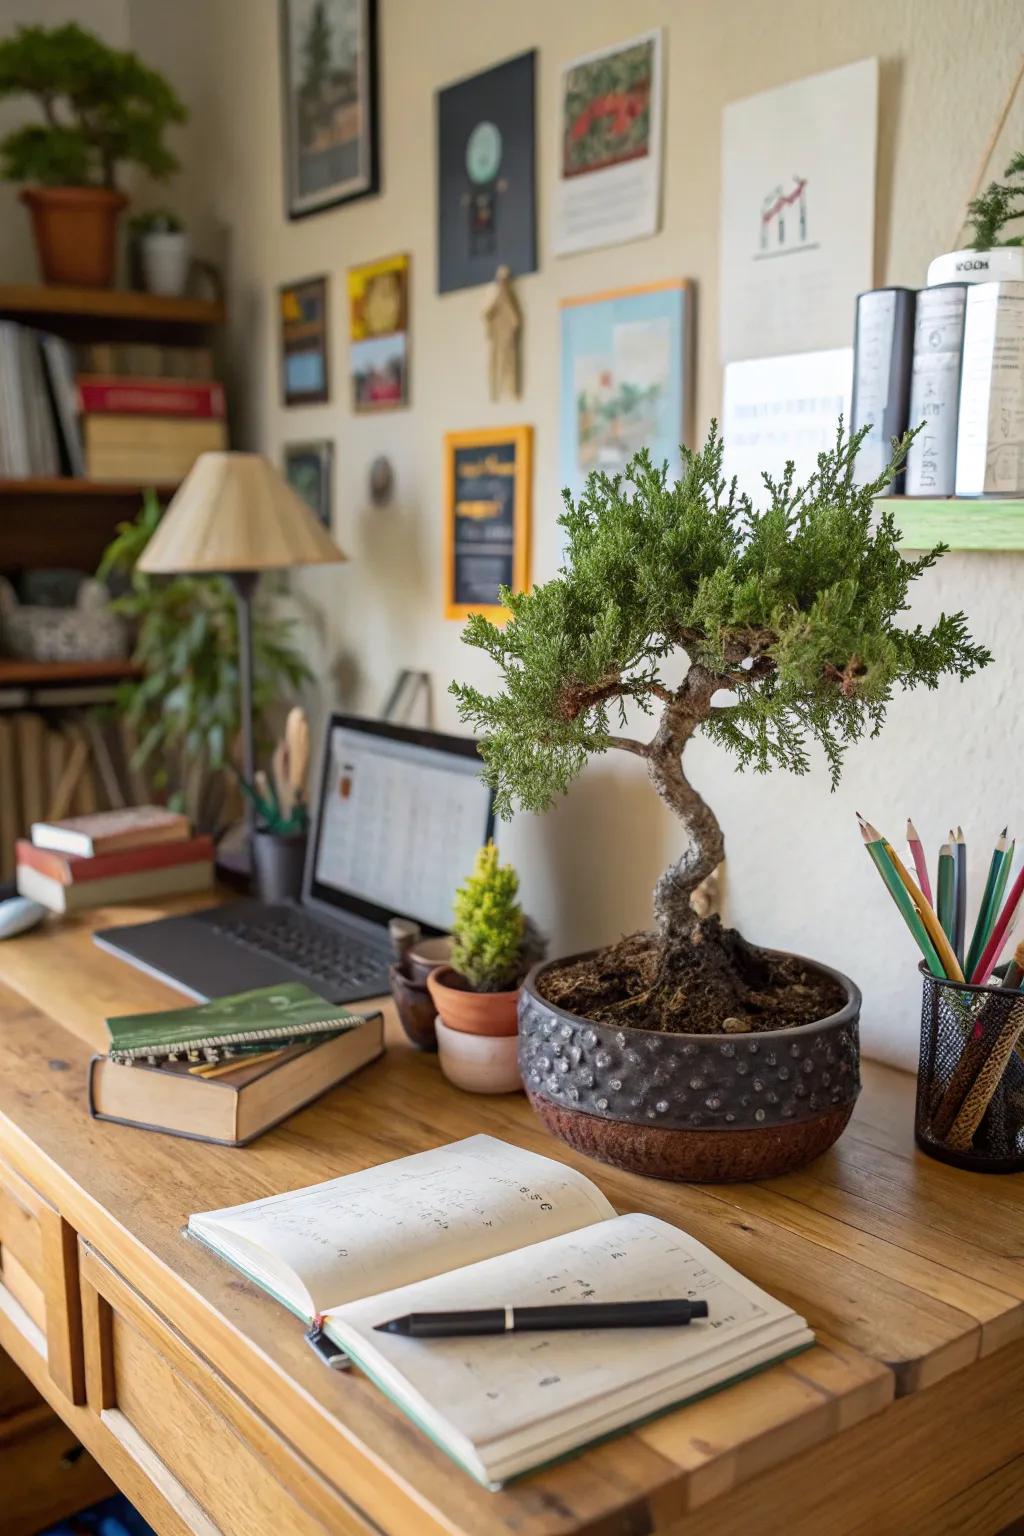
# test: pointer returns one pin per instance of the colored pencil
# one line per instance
(959, 932)
(1002, 878)
(920, 862)
(900, 895)
(983, 970)
(933, 928)
(947, 890)
(1014, 973)
(987, 911)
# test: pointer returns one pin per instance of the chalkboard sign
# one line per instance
(487, 519)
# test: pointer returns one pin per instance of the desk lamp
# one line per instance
(234, 515)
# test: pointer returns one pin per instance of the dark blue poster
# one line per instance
(487, 509)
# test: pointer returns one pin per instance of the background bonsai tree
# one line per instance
(1000, 204)
(100, 106)
(789, 619)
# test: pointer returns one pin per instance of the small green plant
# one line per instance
(1000, 204)
(185, 709)
(156, 221)
(101, 106)
(488, 927)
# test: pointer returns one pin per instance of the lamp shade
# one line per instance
(235, 512)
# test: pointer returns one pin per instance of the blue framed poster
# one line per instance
(625, 378)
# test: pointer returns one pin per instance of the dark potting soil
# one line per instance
(712, 982)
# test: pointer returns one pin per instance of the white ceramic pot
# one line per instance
(479, 1063)
(165, 262)
(1003, 262)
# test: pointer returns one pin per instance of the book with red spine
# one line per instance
(73, 869)
(99, 395)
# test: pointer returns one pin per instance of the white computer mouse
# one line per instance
(18, 915)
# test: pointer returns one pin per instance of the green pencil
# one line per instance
(988, 909)
(901, 896)
(947, 891)
(960, 932)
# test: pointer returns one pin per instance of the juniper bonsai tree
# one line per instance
(1001, 203)
(789, 617)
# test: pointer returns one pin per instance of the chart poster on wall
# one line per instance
(486, 196)
(625, 378)
(329, 101)
(609, 173)
(303, 314)
(307, 469)
(378, 351)
(798, 212)
(781, 408)
(487, 518)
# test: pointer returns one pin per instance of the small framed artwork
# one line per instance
(329, 97)
(378, 353)
(485, 158)
(303, 310)
(487, 494)
(307, 469)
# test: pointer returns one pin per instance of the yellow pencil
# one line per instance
(932, 925)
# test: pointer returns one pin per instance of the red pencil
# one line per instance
(920, 862)
(983, 970)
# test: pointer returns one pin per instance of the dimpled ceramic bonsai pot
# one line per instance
(704, 1108)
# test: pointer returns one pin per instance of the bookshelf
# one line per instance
(964, 523)
(101, 309)
(40, 674)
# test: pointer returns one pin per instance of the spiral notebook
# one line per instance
(481, 1223)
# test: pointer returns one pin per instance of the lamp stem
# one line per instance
(244, 584)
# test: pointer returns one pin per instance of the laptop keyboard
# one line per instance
(324, 955)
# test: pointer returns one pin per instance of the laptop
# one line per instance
(397, 820)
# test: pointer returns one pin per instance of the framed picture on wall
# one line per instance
(487, 496)
(329, 100)
(485, 167)
(378, 348)
(303, 315)
(307, 469)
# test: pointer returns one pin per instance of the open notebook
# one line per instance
(480, 1223)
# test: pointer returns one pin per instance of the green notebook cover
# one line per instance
(246, 1020)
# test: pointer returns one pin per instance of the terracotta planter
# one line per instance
(479, 1063)
(75, 231)
(472, 1013)
(415, 1008)
(704, 1108)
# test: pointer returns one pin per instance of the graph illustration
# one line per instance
(784, 216)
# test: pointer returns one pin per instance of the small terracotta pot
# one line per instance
(75, 231)
(426, 955)
(472, 1013)
(415, 1008)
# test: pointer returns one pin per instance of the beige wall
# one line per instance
(796, 873)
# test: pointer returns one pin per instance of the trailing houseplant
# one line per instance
(789, 619)
(992, 253)
(184, 710)
(101, 107)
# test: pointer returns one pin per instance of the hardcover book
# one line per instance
(481, 1223)
(77, 869)
(143, 884)
(127, 396)
(110, 831)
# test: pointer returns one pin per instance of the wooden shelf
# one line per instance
(34, 674)
(121, 304)
(962, 522)
(73, 485)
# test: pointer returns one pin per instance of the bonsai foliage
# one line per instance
(1000, 204)
(100, 105)
(789, 617)
(187, 703)
(487, 931)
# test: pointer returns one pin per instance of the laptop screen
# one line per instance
(401, 815)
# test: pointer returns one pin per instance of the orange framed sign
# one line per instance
(487, 515)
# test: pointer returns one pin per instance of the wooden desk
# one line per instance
(198, 1396)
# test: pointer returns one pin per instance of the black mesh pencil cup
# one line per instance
(970, 1083)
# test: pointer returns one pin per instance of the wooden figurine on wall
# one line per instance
(504, 323)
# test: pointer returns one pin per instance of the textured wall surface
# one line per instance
(797, 876)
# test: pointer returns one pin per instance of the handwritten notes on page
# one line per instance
(404, 1220)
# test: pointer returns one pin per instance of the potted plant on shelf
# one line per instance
(992, 255)
(687, 1052)
(477, 995)
(164, 253)
(101, 107)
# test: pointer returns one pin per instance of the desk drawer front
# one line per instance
(201, 1444)
(39, 1276)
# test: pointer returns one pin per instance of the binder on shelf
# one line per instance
(935, 389)
(990, 435)
(883, 348)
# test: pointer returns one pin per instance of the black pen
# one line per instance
(594, 1314)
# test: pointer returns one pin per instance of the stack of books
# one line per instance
(227, 1070)
(112, 856)
(153, 429)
